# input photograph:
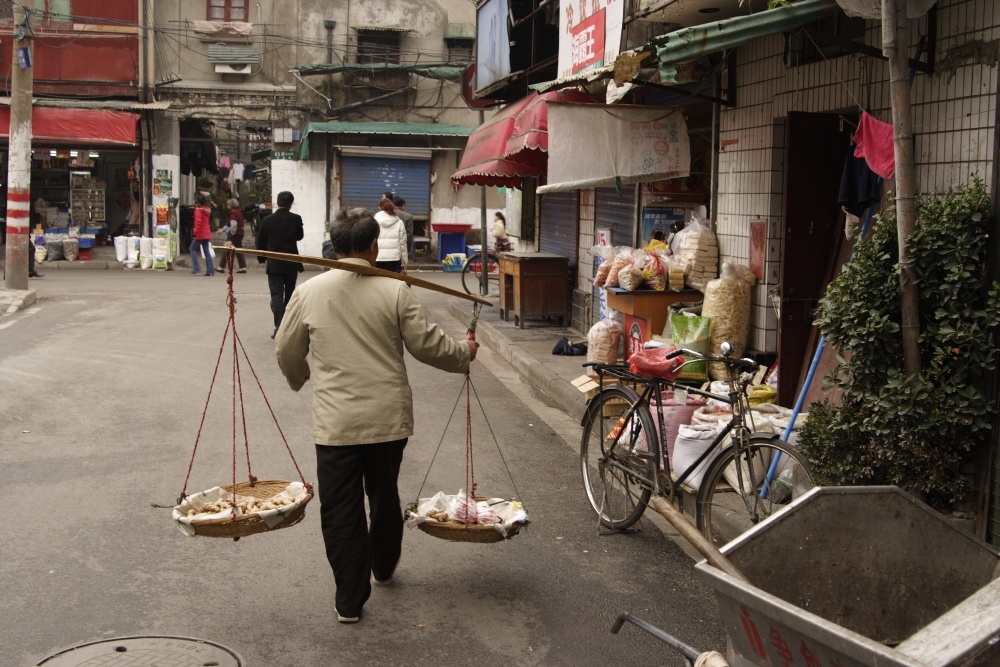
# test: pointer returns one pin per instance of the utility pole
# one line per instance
(484, 278)
(894, 47)
(19, 160)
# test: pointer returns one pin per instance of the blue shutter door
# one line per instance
(364, 179)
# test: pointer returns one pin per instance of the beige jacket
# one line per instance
(356, 328)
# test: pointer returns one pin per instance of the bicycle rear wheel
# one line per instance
(472, 274)
(729, 498)
(617, 474)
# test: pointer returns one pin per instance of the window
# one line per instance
(378, 46)
(824, 39)
(227, 10)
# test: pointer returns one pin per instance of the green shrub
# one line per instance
(893, 429)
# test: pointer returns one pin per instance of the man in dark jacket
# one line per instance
(279, 232)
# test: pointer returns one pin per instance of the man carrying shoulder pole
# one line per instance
(355, 329)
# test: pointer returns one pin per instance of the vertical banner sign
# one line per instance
(590, 34)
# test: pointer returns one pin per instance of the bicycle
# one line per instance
(474, 267)
(744, 482)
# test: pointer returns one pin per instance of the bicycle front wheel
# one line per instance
(617, 469)
(740, 488)
(472, 275)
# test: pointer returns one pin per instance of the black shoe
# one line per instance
(35, 274)
(274, 333)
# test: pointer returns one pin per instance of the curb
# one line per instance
(14, 300)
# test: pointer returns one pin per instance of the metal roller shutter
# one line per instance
(364, 179)
(616, 213)
(559, 215)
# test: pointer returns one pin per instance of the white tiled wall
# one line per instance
(954, 112)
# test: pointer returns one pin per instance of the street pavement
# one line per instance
(104, 379)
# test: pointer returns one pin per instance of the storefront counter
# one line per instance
(533, 284)
(650, 306)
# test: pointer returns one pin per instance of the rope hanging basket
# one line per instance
(453, 529)
(260, 518)
(251, 524)
(458, 531)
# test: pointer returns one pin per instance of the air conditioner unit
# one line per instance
(232, 68)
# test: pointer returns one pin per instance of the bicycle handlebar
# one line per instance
(748, 365)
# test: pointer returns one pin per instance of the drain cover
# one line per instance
(148, 652)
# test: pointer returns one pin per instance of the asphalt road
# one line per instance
(104, 381)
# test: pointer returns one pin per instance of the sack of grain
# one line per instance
(71, 249)
(692, 441)
(727, 302)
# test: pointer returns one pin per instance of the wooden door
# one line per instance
(812, 238)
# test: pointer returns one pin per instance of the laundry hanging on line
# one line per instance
(874, 143)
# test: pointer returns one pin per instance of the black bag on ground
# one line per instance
(566, 348)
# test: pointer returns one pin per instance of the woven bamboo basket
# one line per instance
(456, 531)
(250, 524)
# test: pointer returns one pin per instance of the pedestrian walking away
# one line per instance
(201, 236)
(235, 231)
(407, 219)
(356, 328)
(392, 255)
(280, 232)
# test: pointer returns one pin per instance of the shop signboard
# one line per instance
(492, 43)
(590, 34)
(758, 243)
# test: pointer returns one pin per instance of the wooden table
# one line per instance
(533, 284)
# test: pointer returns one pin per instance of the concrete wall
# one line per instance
(953, 113)
(305, 180)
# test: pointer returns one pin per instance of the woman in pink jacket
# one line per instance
(202, 236)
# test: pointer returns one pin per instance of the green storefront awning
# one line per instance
(381, 129)
(707, 38)
(442, 71)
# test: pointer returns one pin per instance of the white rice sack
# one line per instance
(692, 441)
(780, 423)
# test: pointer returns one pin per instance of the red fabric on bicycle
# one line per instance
(653, 363)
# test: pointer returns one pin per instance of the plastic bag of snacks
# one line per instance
(630, 276)
(698, 248)
(727, 302)
(623, 258)
(675, 273)
(607, 255)
(654, 272)
(603, 340)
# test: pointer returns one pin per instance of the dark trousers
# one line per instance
(237, 242)
(281, 285)
(396, 266)
(345, 475)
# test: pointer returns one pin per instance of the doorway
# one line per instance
(813, 242)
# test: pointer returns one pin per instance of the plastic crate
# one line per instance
(84, 254)
(86, 243)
